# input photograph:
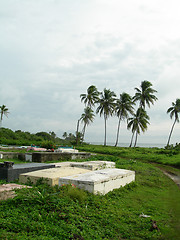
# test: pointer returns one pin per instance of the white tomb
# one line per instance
(90, 165)
(100, 181)
(51, 175)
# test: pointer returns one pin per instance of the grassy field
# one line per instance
(163, 156)
(44, 212)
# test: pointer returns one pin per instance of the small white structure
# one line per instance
(100, 181)
(66, 150)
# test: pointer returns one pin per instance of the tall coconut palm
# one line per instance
(145, 95)
(124, 107)
(3, 111)
(87, 117)
(174, 111)
(138, 123)
(106, 106)
(91, 97)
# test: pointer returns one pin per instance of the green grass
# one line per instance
(45, 212)
(15, 160)
(162, 156)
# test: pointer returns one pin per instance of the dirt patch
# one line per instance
(174, 177)
(6, 190)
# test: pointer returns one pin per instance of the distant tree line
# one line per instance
(18, 137)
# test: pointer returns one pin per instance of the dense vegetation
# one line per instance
(66, 212)
(9, 137)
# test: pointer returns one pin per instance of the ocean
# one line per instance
(148, 145)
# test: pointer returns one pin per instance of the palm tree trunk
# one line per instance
(105, 131)
(171, 132)
(118, 132)
(131, 140)
(77, 130)
(136, 139)
(83, 132)
(1, 119)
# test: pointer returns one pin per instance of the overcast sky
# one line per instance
(51, 51)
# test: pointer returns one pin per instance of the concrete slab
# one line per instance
(63, 164)
(51, 175)
(93, 165)
(90, 165)
(100, 181)
(68, 150)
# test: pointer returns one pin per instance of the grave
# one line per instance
(100, 181)
(11, 172)
(68, 150)
(52, 175)
(90, 165)
(94, 165)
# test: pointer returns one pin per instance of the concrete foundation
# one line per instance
(90, 165)
(100, 181)
(54, 156)
(93, 165)
(52, 175)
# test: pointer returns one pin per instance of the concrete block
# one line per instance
(93, 165)
(51, 175)
(68, 150)
(63, 164)
(90, 165)
(100, 181)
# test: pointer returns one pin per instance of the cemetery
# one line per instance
(92, 176)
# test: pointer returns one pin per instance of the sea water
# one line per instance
(145, 145)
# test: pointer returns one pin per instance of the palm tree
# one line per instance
(138, 122)
(145, 94)
(174, 111)
(65, 135)
(91, 97)
(106, 106)
(87, 117)
(123, 108)
(3, 111)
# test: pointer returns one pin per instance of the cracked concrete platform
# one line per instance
(100, 181)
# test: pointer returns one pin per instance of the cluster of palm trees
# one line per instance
(108, 105)
(4, 112)
(123, 107)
